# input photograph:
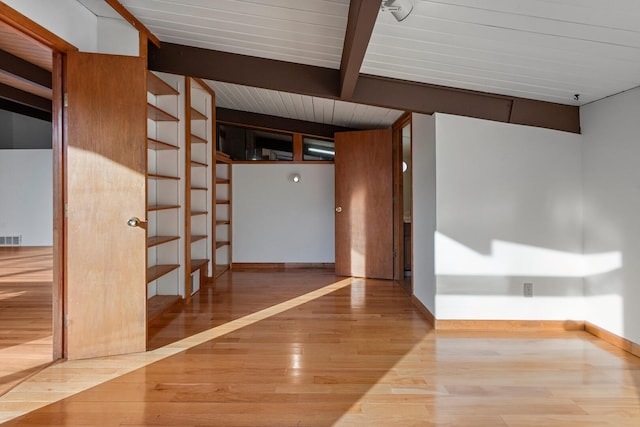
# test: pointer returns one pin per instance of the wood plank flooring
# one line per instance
(354, 353)
(25, 313)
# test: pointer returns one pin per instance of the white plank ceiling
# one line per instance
(302, 107)
(539, 49)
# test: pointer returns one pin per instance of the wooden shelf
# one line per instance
(158, 115)
(162, 177)
(221, 157)
(154, 144)
(220, 269)
(195, 139)
(157, 271)
(222, 202)
(157, 86)
(226, 222)
(222, 181)
(197, 263)
(221, 244)
(162, 207)
(158, 304)
(197, 238)
(197, 115)
(159, 240)
(196, 213)
(195, 164)
(199, 188)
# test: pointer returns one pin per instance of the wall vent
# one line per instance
(10, 240)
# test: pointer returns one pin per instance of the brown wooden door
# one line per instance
(105, 267)
(364, 204)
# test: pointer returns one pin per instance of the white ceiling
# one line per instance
(302, 107)
(539, 49)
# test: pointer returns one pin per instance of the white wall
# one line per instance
(26, 196)
(67, 19)
(276, 221)
(423, 139)
(73, 22)
(23, 132)
(610, 129)
(508, 212)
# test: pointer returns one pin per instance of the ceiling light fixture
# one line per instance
(400, 9)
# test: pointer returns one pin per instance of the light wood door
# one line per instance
(364, 204)
(105, 186)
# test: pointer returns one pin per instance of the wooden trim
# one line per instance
(188, 238)
(398, 196)
(297, 148)
(362, 18)
(280, 124)
(34, 30)
(281, 266)
(613, 339)
(371, 90)
(59, 251)
(429, 317)
(502, 325)
(283, 162)
(206, 87)
(131, 19)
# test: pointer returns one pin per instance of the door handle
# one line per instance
(136, 222)
(339, 209)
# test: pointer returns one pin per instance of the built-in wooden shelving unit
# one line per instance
(200, 125)
(165, 199)
(222, 225)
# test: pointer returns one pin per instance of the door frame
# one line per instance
(398, 198)
(59, 48)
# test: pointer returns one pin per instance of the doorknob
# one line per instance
(136, 222)
(339, 209)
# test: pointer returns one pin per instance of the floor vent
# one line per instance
(10, 240)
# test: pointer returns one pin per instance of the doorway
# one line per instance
(402, 203)
(30, 285)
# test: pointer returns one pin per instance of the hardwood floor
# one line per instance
(354, 352)
(25, 313)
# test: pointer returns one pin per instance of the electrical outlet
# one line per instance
(528, 290)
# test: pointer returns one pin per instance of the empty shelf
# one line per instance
(222, 181)
(157, 271)
(220, 269)
(197, 263)
(158, 304)
(162, 207)
(221, 244)
(197, 238)
(223, 222)
(154, 144)
(222, 202)
(156, 176)
(195, 139)
(159, 240)
(197, 115)
(158, 115)
(157, 86)
(195, 164)
(196, 213)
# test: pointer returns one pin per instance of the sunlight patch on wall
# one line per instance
(516, 259)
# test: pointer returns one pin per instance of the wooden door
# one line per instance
(364, 204)
(105, 268)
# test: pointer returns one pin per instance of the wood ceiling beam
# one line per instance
(362, 19)
(24, 70)
(25, 98)
(370, 90)
(14, 107)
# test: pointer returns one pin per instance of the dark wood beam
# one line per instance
(14, 107)
(362, 18)
(236, 68)
(370, 90)
(277, 123)
(24, 70)
(25, 98)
